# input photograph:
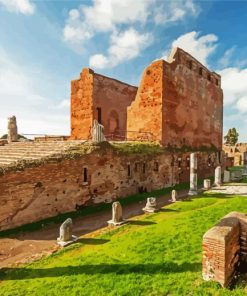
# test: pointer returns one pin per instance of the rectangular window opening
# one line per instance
(144, 168)
(85, 176)
(129, 171)
(156, 166)
(99, 115)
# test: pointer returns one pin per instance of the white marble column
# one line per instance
(217, 176)
(193, 174)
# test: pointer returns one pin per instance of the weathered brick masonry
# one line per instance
(237, 152)
(58, 187)
(225, 248)
(179, 102)
(94, 96)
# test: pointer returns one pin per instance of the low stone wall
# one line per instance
(56, 187)
(224, 248)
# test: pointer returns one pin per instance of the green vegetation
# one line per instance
(236, 168)
(231, 137)
(159, 254)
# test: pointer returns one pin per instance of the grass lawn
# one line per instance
(159, 254)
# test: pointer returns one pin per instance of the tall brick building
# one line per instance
(179, 103)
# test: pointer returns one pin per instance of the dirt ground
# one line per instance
(27, 247)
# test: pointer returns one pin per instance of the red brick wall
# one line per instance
(58, 187)
(82, 105)
(177, 104)
(224, 247)
(145, 113)
(113, 97)
(94, 91)
(193, 105)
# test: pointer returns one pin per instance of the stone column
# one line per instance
(193, 174)
(98, 132)
(65, 234)
(12, 130)
(207, 184)
(217, 176)
(117, 215)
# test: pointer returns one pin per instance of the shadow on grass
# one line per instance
(139, 222)
(149, 268)
(216, 195)
(167, 210)
(92, 241)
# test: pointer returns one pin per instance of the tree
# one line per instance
(232, 137)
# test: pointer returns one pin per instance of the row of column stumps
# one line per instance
(193, 176)
(66, 236)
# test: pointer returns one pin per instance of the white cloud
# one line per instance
(242, 105)
(233, 82)
(174, 11)
(108, 15)
(225, 60)
(103, 16)
(98, 61)
(124, 46)
(200, 47)
(21, 95)
(18, 6)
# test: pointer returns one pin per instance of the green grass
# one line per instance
(236, 168)
(160, 254)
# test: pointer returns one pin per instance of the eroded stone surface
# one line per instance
(151, 205)
(174, 195)
(217, 176)
(117, 215)
(207, 184)
(98, 132)
(193, 174)
(12, 130)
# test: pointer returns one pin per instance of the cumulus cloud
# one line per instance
(200, 47)
(123, 46)
(18, 6)
(174, 11)
(108, 15)
(225, 60)
(233, 82)
(21, 94)
(235, 99)
(103, 16)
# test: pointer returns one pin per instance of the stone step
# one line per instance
(17, 153)
(30, 150)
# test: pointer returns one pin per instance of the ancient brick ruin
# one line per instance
(237, 155)
(178, 103)
(225, 249)
(59, 186)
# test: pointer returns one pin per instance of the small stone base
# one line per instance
(64, 244)
(193, 192)
(112, 223)
(150, 210)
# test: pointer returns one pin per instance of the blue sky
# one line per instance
(45, 44)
